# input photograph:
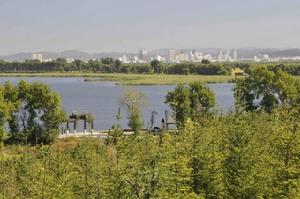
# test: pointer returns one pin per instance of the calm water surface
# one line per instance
(103, 98)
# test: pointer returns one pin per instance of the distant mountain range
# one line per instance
(75, 54)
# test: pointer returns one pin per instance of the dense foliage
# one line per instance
(292, 68)
(110, 65)
(133, 101)
(31, 112)
(265, 89)
(190, 101)
(237, 156)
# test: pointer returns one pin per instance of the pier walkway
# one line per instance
(96, 134)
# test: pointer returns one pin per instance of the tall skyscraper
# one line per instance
(182, 57)
(37, 56)
(143, 54)
(235, 55)
(172, 55)
(220, 55)
(124, 59)
(227, 55)
(192, 55)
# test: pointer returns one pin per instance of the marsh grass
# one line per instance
(131, 79)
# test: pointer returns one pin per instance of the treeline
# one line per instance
(292, 68)
(110, 65)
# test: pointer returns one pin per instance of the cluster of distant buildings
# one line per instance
(178, 56)
(174, 56)
(39, 56)
(267, 58)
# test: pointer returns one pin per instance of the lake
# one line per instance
(102, 99)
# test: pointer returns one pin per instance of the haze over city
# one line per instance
(126, 26)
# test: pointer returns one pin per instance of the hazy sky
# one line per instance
(127, 25)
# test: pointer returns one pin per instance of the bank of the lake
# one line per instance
(131, 79)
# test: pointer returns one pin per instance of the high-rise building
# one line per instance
(227, 56)
(192, 55)
(265, 57)
(235, 55)
(208, 57)
(143, 54)
(220, 55)
(182, 57)
(172, 55)
(159, 58)
(135, 59)
(123, 59)
(37, 56)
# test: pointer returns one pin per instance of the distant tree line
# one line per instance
(110, 65)
(292, 68)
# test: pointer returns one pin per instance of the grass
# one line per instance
(297, 77)
(14, 151)
(131, 79)
(8, 152)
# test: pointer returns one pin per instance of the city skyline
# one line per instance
(107, 26)
(167, 55)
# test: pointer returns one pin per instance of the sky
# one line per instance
(129, 25)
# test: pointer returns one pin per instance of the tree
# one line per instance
(265, 89)
(11, 95)
(107, 60)
(6, 109)
(284, 143)
(117, 65)
(36, 113)
(180, 103)
(202, 98)
(133, 102)
(156, 66)
(206, 157)
(190, 101)
(205, 61)
(94, 65)
(78, 64)
(244, 164)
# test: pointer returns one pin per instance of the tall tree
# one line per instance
(190, 101)
(265, 89)
(133, 102)
(156, 66)
(117, 65)
(179, 101)
(6, 109)
(78, 64)
(37, 113)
